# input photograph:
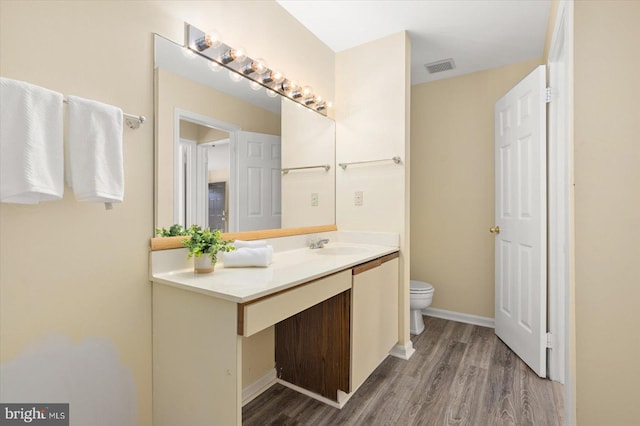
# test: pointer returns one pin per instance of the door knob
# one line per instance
(494, 229)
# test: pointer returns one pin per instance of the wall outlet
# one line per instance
(358, 198)
(314, 199)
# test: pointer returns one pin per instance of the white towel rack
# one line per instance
(395, 159)
(326, 168)
(132, 121)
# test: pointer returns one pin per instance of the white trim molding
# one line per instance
(460, 317)
(561, 212)
(403, 351)
(342, 397)
(254, 390)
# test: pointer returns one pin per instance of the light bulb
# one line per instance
(295, 93)
(210, 39)
(234, 76)
(271, 76)
(307, 94)
(237, 54)
(256, 65)
(329, 104)
(277, 76)
(290, 88)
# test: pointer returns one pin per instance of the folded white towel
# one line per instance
(95, 161)
(31, 154)
(250, 244)
(244, 257)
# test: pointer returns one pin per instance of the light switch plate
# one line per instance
(314, 199)
(358, 198)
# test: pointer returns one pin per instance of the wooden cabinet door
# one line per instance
(312, 347)
(374, 316)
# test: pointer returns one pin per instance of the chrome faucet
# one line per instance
(318, 244)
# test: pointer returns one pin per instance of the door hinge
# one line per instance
(547, 95)
(549, 340)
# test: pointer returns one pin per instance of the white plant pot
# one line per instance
(203, 264)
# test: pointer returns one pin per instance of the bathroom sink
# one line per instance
(341, 251)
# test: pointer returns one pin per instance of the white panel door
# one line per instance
(259, 186)
(520, 214)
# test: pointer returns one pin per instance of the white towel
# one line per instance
(249, 244)
(31, 153)
(244, 257)
(94, 150)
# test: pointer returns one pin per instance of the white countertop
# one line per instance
(289, 268)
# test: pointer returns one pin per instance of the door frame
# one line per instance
(232, 129)
(560, 194)
(203, 179)
(185, 178)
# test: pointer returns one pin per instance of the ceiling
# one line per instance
(476, 34)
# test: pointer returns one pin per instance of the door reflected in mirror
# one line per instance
(221, 145)
(227, 179)
(210, 146)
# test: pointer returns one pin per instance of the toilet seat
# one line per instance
(420, 287)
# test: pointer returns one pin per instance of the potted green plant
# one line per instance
(204, 246)
(173, 231)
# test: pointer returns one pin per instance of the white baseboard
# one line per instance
(342, 397)
(403, 351)
(256, 388)
(460, 317)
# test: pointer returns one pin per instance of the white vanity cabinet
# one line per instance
(335, 319)
(374, 315)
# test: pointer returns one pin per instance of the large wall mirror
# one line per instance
(222, 144)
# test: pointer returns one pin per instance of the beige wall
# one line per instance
(74, 270)
(372, 124)
(308, 139)
(607, 211)
(452, 200)
(201, 134)
(174, 91)
(189, 130)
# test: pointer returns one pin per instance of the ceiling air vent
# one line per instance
(439, 66)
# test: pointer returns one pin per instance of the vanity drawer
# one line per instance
(262, 313)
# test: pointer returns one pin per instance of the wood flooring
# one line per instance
(461, 374)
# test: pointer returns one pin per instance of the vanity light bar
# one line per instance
(209, 46)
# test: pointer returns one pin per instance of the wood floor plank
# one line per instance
(534, 393)
(460, 375)
(390, 400)
(458, 331)
(480, 347)
(499, 393)
(463, 407)
(558, 398)
(432, 393)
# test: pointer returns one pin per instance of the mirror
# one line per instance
(222, 145)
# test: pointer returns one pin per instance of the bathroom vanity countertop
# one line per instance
(289, 268)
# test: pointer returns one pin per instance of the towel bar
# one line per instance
(133, 121)
(395, 159)
(326, 167)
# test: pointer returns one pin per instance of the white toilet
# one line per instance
(420, 296)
